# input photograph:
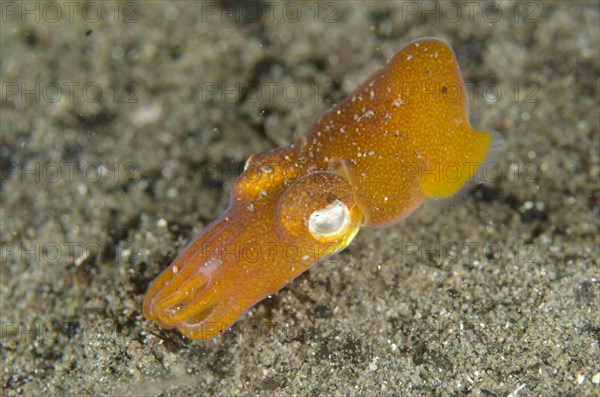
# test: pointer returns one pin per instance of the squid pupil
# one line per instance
(329, 220)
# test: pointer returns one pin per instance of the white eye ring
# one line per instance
(329, 221)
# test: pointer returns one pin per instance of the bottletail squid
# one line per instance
(399, 138)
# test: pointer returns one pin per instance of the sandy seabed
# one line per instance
(124, 125)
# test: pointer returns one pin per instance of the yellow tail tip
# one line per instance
(445, 175)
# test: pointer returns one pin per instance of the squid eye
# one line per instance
(329, 221)
(318, 208)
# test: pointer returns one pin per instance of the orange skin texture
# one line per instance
(399, 138)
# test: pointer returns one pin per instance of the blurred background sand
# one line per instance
(124, 124)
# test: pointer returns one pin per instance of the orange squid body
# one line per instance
(400, 137)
